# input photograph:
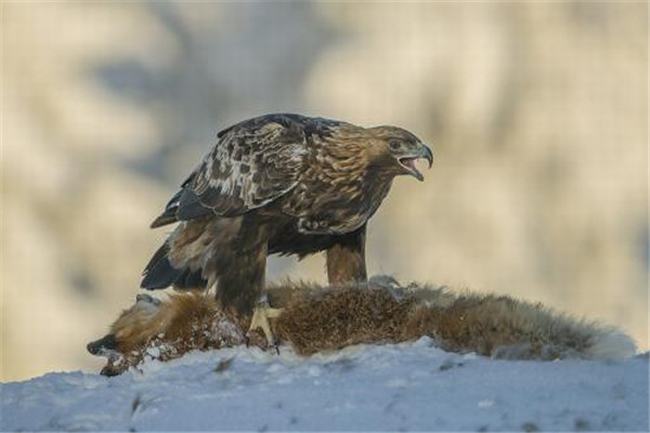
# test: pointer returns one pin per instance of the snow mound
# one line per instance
(409, 386)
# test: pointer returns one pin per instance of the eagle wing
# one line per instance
(252, 164)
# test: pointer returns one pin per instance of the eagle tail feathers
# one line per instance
(190, 279)
(160, 274)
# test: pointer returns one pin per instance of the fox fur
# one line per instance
(317, 319)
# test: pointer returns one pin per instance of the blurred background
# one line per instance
(537, 113)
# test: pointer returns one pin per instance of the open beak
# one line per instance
(408, 162)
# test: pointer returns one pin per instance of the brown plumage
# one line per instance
(279, 184)
(317, 319)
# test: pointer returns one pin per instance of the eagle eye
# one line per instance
(394, 144)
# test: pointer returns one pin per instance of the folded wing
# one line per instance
(252, 164)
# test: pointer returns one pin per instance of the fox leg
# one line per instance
(346, 259)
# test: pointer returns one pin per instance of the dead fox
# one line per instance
(312, 318)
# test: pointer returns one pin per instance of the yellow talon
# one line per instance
(260, 320)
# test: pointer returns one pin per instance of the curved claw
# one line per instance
(260, 320)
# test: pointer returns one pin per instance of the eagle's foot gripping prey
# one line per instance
(260, 320)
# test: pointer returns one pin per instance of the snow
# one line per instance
(402, 387)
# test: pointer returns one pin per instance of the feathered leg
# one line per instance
(346, 260)
(241, 268)
(240, 283)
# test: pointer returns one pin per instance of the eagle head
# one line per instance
(396, 150)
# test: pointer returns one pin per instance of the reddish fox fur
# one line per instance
(318, 319)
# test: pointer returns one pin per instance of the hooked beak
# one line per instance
(408, 162)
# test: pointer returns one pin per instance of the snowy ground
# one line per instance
(411, 386)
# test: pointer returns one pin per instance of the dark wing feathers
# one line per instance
(252, 164)
(190, 206)
(170, 214)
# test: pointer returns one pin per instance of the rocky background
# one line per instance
(537, 113)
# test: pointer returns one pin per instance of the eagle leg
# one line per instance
(260, 320)
(240, 267)
(346, 259)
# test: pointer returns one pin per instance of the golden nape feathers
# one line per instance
(317, 319)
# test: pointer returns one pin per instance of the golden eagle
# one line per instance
(279, 184)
